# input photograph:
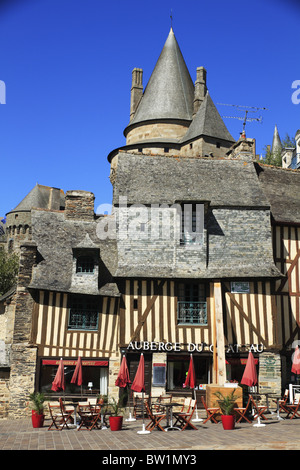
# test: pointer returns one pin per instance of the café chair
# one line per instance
(68, 410)
(183, 420)
(242, 411)
(293, 409)
(283, 402)
(155, 419)
(157, 407)
(185, 409)
(186, 406)
(93, 401)
(211, 412)
(257, 409)
(90, 416)
(139, 405)
(60, 418)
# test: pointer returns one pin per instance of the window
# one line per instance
(192, 223)
(85, 264)
(83, 314)
(93, 370)
(178, 367)
(191, 305)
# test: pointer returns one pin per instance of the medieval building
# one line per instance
(200, 255)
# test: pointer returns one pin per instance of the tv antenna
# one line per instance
(247, 109)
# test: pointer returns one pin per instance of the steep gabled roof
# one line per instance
(169, 93)
(207, 122)
(40, 197)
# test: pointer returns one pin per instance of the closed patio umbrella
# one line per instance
(59, 379)
(190, 381)
(77, 375)
(296, 361)
(123, 380)
(250, 376)
(123, 376)
(138, 385)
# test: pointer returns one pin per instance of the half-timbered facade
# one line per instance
(200, 255)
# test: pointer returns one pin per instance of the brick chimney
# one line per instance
(79, 205)
(136, 90)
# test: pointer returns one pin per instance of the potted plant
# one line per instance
(227, 403)
(102, 399)
(116, 417)
(37, 405)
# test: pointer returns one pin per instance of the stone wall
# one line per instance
(4, 393)
(79, 205)
(156, 131)
(270, 373)
(23, 353)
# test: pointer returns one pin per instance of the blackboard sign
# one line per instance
(159, 374)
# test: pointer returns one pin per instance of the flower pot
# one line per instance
(37, 419)
(228, 421)
(115, 423)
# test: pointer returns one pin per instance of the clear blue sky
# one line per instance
(67, 69)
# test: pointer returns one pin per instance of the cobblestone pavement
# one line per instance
(275, 435)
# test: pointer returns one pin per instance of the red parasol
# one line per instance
(190, 380)
(296, 361)
(59, 379)
(250, 376)
(138, 385)
(123, 377)
(77, 376)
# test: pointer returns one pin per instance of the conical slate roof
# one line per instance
(276, 144)
(169, 93)
(208, 122)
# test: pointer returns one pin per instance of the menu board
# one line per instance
(159, 374)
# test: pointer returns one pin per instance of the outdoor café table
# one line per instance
(74, 404)
(169, 407)
(266, 394)
(277, 398)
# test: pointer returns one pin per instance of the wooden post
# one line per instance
(219, 367)
(214, 335)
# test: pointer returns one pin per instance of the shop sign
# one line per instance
(240, 287)
(161, 346)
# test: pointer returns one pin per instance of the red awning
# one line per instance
(55, 362)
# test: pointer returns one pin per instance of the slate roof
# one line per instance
(169, 93)
(55, 238)
(208, 122)
(146, 179)
(282, 188)
(276, 143)
(40, 197)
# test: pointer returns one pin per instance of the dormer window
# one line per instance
(85, 264)
(192, 223)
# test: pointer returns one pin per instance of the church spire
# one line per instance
(276, 144)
